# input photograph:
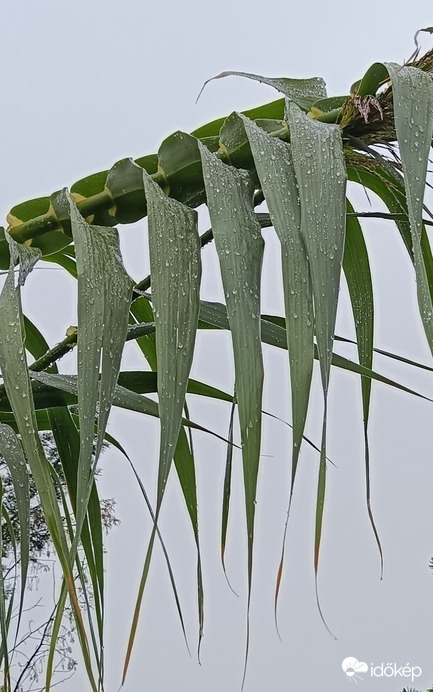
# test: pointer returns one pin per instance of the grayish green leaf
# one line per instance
(124, 398)
(239, 246)
(320, 171)
(17, 384)
(304, 92)
(176, 273)
(274, 165)
(104, 297)
(413, 113)
(356, 268)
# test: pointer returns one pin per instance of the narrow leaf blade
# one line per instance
(413, 113)
(239, 246)
(320, 171)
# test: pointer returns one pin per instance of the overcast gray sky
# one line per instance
(84, 84)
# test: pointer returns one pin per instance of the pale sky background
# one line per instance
(84, 84)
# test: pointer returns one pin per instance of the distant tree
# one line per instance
(40, 538)
(31, 650)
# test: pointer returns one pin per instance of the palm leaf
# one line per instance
(183, 456)
(356, 268)
(413, 108)
(303, 92)
(17, 385)
(176, 272)
(321, 175)
(274, 166)
(239, 246)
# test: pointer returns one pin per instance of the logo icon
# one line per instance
(352, 667)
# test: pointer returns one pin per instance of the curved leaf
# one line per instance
(304, 92)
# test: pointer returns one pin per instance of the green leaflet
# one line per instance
(141, 382)
(125, 185)
(12, 453)
(413, 112)
(18, 389)
(391, 191)
(239, 246)
(227, 489)
(273, 333)
(104, 296)
(331, 104)
(141, 311)
(66, 436)
(274, 165)
(179, 164)
(303, 92)
(320, 171)
(67, 441)
(17, 385)
(321, 175)
(64, 261)
(273, 110)
(372, 79)
(184, 463)
(356, 268)
(164, 549)
(124, 398)
(144, 381)
(183, 456)
(176, 273)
